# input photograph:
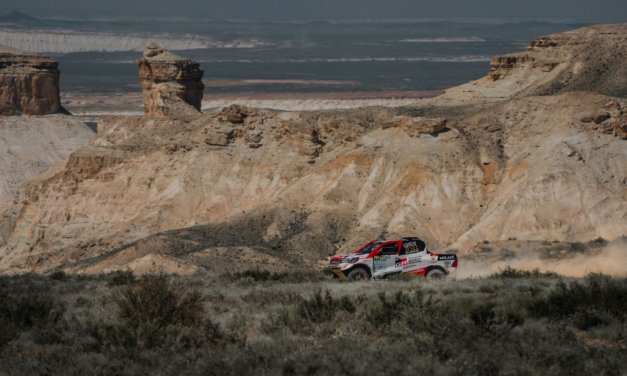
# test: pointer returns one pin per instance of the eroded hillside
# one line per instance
(31, 144)
(285, 188)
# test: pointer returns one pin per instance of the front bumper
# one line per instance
(339, 273)
(339, 269)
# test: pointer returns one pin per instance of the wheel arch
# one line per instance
(359, 266)
(436, 267)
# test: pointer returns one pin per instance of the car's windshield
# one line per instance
(369, 248)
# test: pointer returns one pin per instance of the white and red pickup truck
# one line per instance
(383, 258)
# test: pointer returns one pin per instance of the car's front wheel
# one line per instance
(357, 274)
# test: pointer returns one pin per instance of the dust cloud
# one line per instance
(610, 260)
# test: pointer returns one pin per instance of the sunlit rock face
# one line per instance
(528, 157)
(29, 83)
(172, 85)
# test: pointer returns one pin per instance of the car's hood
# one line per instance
(344, 256)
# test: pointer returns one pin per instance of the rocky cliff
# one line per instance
(591, 59)
(29, 145)
(172, 85)
(29, 83)
(296, 186)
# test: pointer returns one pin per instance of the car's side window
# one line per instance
(390, 249)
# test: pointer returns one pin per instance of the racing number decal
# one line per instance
(410, 247)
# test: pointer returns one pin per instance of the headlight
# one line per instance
(352, 259)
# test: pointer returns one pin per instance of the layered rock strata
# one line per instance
(172, 85)
(493, 160)
(590, 59)
(301, 184)
(29, 145)
(416, 126)
(29, 83)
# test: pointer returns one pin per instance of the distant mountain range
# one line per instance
(21, 19)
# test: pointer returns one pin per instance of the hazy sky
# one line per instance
(576, 10)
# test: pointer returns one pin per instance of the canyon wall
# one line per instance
(465, 168)
(29, 83)
(591, 59)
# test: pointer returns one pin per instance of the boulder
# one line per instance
(617, 119)
(29, 83)
(172, 85)
(234, 114)
(620, 129)
(597, 118)
(219, 136)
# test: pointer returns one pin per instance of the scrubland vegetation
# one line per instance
(513, 322)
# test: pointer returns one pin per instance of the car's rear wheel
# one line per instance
(436, 274)
(357, 274)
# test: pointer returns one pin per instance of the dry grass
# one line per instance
(258, 323)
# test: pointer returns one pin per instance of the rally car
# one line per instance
(381, 259)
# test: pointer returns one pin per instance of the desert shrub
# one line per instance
(492, 317)
(122, 277)
(585, 318)
(597, 243)
(483, 315)
(321, 308)
(265, 297)
(211, 332)
(485, 249)
(257, 275)
(487, 288)
(305, 314)
(506, 254)
(603, 293)
(514, 318)
(26, 303)
(155, 307)
(296, 276)
(59, 275)
(510, 272)
(391, 308)
(578, 247)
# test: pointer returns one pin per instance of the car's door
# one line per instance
(385, 262)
